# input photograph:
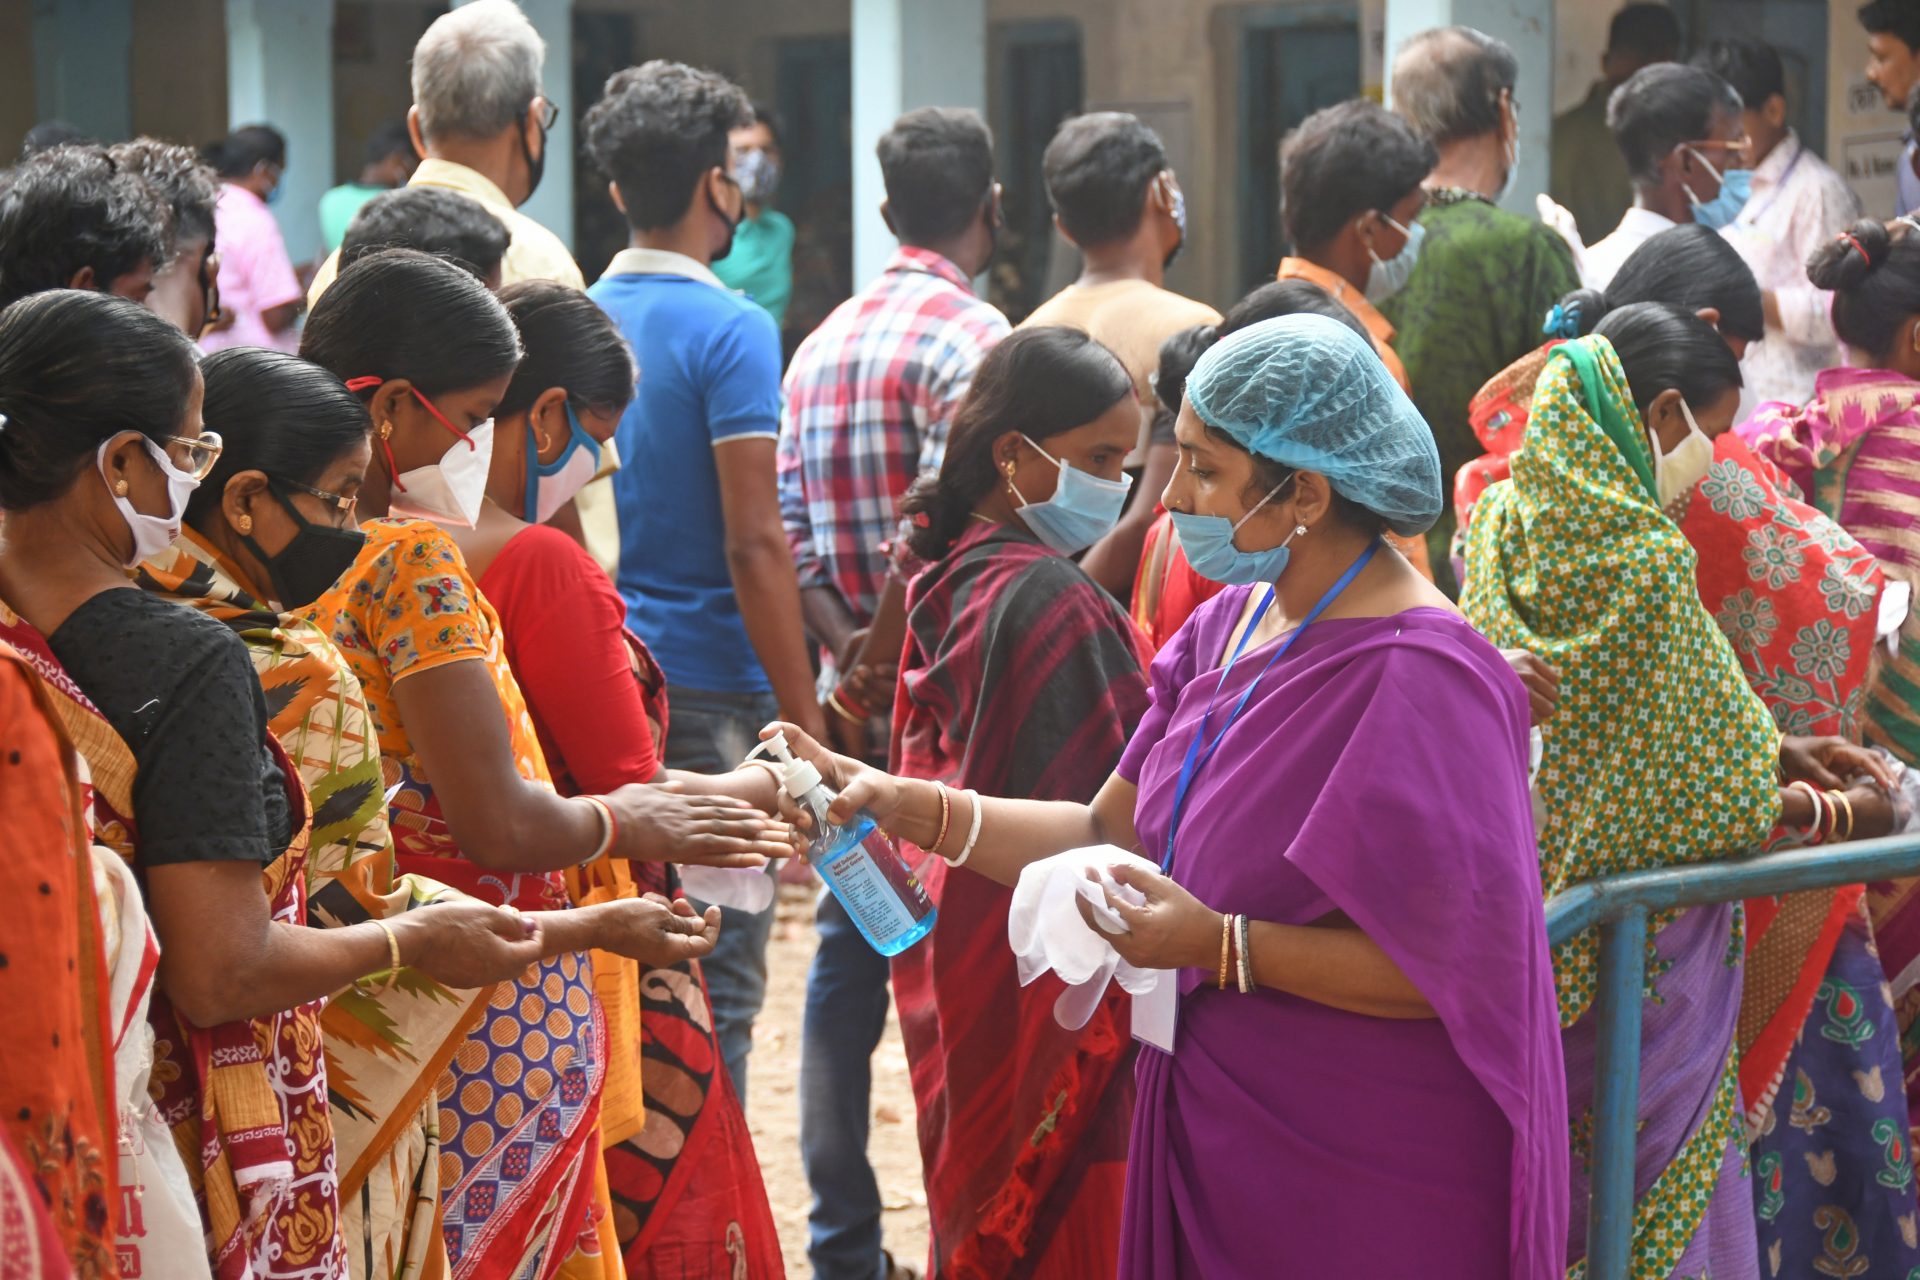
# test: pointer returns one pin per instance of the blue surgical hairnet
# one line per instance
(1309, 393)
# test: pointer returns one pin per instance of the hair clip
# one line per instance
(1563, 320)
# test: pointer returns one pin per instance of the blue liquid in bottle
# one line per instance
(859, 862)
(886, 901)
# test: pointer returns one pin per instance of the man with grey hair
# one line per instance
(1485, 277)
(480, 120)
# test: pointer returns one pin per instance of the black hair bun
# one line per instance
(1845, 261)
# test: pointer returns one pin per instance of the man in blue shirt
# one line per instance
(705, 568)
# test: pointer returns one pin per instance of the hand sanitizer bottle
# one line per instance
(858, 861)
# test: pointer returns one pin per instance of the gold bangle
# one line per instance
(393, 964)
(1226, 940)
(1845, 806)
(840, 709)
(946, 817)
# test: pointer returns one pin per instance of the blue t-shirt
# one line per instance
(709, 371)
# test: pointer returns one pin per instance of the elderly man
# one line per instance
(1485, 277)
(479, 120)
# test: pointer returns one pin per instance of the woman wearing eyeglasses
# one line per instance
(101, 450)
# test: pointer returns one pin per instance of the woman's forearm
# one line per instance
(753, 784)
(1012, 833)
(575, 929)
(1338, 966)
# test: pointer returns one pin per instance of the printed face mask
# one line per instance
(151, 534)
(1388, 276)
(1208, 542)
(551, 484)
(1675, 473)
(1083, 509)
(450, 491)
(1735, 186)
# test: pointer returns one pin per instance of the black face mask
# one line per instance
(536, 165)
(310, 564)
(733, 224)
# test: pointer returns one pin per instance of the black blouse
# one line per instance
(180, 689)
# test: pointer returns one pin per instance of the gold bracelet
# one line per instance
(1226, 940)
(393, 964)
(840, 709)
(946, 817)
(1845, 806)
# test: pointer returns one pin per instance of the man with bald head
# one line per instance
(1485, 277)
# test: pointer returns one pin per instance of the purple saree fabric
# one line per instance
(1284, 1138)
(1686, 1031)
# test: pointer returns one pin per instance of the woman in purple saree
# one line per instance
(1366, 1075)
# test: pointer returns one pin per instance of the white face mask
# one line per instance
(1676, 472)
(151, 534)
(449, 491)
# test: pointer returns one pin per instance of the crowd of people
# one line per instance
(381, 656)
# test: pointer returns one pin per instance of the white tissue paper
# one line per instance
(1047, 932)
(744, 888)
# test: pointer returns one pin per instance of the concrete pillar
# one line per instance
(906, 54)
(280, 72)
(80, 65)
(1527, 27)
(552, 205)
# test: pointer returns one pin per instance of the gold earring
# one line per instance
(245, 526)
(386, 430)
(120, 488)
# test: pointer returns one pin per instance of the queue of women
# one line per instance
(347, 933)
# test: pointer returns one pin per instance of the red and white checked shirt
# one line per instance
(869, 396)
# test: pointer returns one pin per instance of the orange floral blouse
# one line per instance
(409, 605)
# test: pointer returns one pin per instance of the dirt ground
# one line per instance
(773, 1109)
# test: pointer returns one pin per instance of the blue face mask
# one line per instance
(1083, 509)
(1388, 276)
(1208, 542)
(1735, 186)
(551, 484)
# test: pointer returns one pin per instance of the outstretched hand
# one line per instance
(661, 822)
(465, 943)
(657, 932)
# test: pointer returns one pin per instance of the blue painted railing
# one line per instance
(1619, 907)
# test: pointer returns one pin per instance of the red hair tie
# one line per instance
(363, 384)
(1857, 248)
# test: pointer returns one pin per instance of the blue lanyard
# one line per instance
(1196, 756)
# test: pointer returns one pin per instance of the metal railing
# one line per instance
(1619, 907)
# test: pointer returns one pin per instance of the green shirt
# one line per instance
(337, 208)
(760, 264)
(1474, 304)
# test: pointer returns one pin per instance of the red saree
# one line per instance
(57, 1086)
(1020, 678)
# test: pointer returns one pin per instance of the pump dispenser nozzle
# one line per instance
(797, 776)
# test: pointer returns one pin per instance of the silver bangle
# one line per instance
(973, 832)
(1246, 955)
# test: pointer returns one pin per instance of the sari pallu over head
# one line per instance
(1660, 754)
(257, 1139)
(384, 1049)
(1020, 678)
(1794, 594)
